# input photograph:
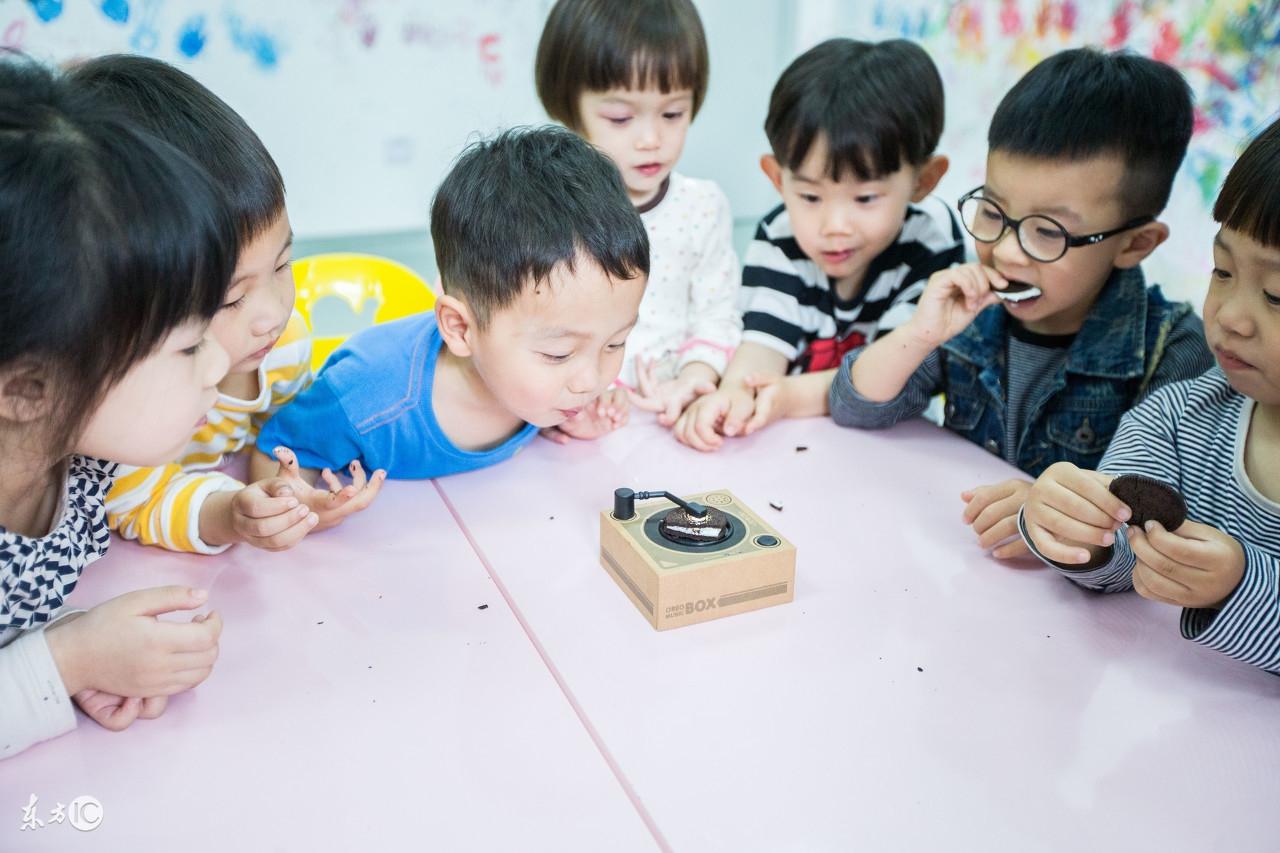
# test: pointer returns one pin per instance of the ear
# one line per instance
(772, 170)
(457, 324)
(1139, 243)
(928, 175)
(24, 393)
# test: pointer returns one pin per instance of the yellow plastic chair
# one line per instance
(341, 293)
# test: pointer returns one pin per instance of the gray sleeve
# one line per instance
(851, 409)
(35, 702)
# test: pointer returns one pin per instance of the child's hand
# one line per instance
(266, 515)
(332, 506)
(609, 412)
(1194, 566)
(673, 396)
(770, 401)
(992, 512)
(951, 300)
(1068, 510)
(121, 648)
(117, 713)
(713, 416)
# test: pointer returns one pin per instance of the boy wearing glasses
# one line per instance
(1043, 345)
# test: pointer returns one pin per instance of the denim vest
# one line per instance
(1074, 415)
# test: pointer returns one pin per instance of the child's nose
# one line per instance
(266, 318)
(218, 362)
(1009, 251)
(650, 136)
(1236, 316)
(838, 220)
(585, 378)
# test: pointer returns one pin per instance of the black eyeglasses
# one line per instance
(1041, 237)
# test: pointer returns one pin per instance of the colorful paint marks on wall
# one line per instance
(1228, 50)
(116, 10)
(46, 10)
(165, 28)
(191, 36)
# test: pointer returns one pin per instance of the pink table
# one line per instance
(916, 695)
(361, 702)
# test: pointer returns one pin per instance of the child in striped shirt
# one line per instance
(852, 129)
(1215, 438)
(189, 505)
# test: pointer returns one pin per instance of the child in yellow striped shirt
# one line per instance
(190, 505)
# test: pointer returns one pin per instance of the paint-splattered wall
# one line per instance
(364, 103)
(1228, 50)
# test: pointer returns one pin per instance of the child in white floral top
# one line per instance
(630, 77)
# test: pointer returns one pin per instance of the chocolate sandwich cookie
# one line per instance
(1150, 499)
(1018, 291)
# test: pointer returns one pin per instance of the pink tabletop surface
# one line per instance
(361, 702)
(916, 695)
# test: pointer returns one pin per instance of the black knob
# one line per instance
(624, 504)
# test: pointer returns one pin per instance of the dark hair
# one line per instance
(177, 108)
(1083, 103)
(109, 240)
(1250, 198)
(514, 207)
(874, 105)
(597, 45)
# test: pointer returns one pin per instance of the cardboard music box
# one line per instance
(708, 557)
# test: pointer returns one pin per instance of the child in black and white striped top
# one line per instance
(1215, 438)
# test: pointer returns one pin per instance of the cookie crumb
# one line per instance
(483, 607)
(919, 669)
(801, 448)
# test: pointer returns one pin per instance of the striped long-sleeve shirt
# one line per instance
(161, 505)
(1192, 435)
(791, 306)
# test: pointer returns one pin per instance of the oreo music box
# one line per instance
(706, 557)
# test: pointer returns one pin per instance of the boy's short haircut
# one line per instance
(516, 206)
(1250, 198)
(177, 108)
(1082, 103)
(597, 45)
(876, 106)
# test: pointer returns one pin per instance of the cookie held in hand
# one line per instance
(1150, 499)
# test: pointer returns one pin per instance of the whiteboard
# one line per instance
(364, 105)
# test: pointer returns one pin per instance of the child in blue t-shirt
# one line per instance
(541, 287)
